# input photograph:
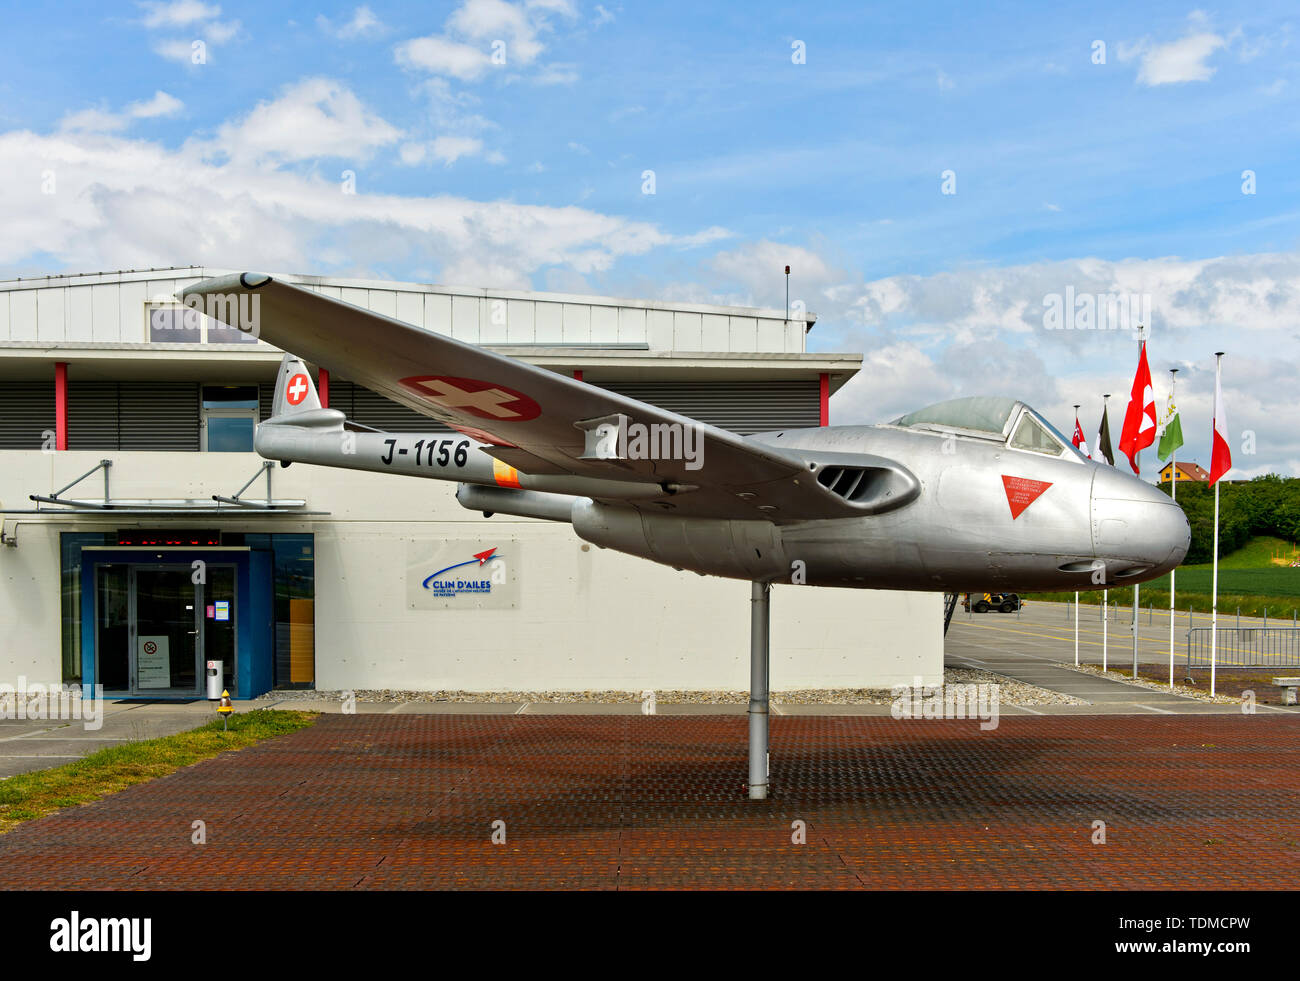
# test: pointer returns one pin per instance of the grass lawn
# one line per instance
(1250, 578)
(32, 795)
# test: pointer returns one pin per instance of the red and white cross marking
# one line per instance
(473, 397)
(298, 388)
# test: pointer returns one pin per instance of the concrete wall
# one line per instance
(587, 618)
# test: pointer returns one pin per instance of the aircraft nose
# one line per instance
(1136, 529)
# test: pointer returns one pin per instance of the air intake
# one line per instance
(851, 483)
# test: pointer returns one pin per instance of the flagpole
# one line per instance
(1214, 584)
(1078, 429)
(1173, 493)
(1137, 470)
(1105, 593)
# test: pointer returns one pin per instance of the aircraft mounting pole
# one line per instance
(759, 621)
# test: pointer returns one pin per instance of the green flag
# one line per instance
(1172, 438)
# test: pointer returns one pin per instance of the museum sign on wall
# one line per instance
(465, 574)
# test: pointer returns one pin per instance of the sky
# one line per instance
(978, 198)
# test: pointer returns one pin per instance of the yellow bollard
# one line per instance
(224, 707)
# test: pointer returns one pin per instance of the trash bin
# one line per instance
(215, 670)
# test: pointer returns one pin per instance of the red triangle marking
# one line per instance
(483, 556)
(1022, 492)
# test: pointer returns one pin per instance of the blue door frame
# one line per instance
(254, 609)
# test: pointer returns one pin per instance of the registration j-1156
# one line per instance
(436, 452)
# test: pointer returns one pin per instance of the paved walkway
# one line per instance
(374, 801)
(34, 744)
(1035, 647)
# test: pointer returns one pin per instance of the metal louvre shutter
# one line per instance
(265, 400)
(92, 415)
(159, 416)
(741, 406)
(26, 414)
(368, 408)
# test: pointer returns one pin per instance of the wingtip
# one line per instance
(229, 283)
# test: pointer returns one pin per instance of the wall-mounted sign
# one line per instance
(168, 536)
(153, 663)
(466, 575)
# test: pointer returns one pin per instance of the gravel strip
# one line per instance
(1012, 693)
(1128, 679)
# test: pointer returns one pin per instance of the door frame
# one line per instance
(254, 610)
(133, 689)
(133, 632)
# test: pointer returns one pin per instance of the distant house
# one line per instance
(1186, 472)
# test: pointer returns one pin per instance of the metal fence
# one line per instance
(1246, 647)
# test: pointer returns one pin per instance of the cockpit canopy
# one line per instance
(1005, 420)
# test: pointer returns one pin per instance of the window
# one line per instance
(1032, 435)
(229, 418)
(175, 323)
(979, 414)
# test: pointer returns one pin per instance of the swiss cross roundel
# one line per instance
(297, 389)
(483, 399)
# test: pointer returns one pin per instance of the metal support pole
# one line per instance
(759, 620)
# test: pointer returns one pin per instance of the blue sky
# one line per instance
(1123, 175)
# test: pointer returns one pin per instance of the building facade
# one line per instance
(142, 537)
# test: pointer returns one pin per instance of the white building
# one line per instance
(104, 376)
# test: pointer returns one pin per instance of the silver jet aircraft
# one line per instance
(970, 495)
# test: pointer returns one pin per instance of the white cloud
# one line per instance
(315, 117)
(1183, 60)
(106, 121)
(412, 153)
(161, 104)
(759, 269)
(177, 14)
(363, 24)
(479, 29)
(174, 50)
(236, 202)
(603, 16)
(187, 13)
(219, 32)
(449, 149)
(443, 57)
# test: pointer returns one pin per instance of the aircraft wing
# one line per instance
(538, 421)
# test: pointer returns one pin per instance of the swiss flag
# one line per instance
(1140, 419)
(1079, 442)
(1220, 455)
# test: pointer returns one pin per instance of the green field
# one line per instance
(1242, 582)
(1248, 579)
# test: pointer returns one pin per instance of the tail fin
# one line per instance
(294, 390)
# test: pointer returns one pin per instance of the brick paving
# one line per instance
(607, 802)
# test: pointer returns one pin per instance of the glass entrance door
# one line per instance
(164, 631)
